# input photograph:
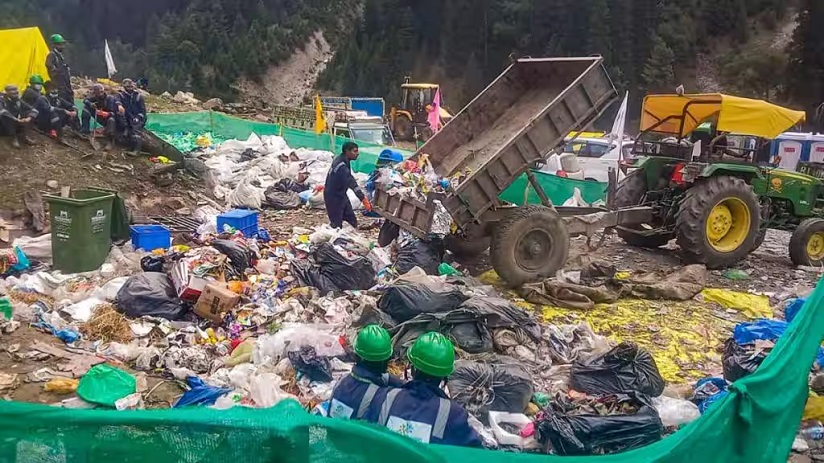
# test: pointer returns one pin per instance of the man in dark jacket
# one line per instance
(47, 119)
(59, 72)
(135, 107)
(420, 409)
(15, 116)
(355, 392)
(65, 110)
(338, 181)
(107, 110)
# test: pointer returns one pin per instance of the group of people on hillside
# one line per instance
(49, 106)
(419, 408)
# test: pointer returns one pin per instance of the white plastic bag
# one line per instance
(272, 348)
(83, 310)
(504, 438)
(675, 412)
(35, 248)
(265, 390)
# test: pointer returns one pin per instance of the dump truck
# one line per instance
(520, 118)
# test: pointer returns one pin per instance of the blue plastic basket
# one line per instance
(240, 219)
(150, 237)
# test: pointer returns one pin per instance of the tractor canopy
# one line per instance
(680, 115)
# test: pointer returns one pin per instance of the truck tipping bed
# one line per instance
(517, 120)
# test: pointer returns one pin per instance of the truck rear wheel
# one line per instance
(530, 244)
(718, 222)
(630, 192)
(807, 243)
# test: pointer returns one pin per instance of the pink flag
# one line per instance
(434, 117)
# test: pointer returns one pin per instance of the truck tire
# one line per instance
(807, 243)
(718, 222)
(404, 130)
(466, 247)
(530, 244)
(630, 192)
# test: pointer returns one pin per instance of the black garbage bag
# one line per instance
(239, 255)
(596, 434)
(330, 271)
(151, 294)
(501, 313)
(502, 385)
(405, 302)
(624, 369)
(307, 361)
(389, 233)
(426, 254)
(739, 361)
(466, 329)
(152, 263)
(287, 184)
(279, 198)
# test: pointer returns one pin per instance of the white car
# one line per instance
(594, 157)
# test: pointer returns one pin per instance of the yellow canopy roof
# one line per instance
(741, 116)
(23, 53)
(418, 86)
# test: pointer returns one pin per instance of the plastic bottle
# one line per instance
(813, 432)
(5, 308)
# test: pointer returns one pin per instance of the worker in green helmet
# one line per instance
(354, 393)
(59, 72)
(47, 119)
(420, 409)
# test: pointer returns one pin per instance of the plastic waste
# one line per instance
(405, 302)
(104, 384)
(541, 399)
(504, 386)
(769, 330)
(13, 261)
(307, 361)
(709, 391)
(239, 255)
(426, 254)
(83, 310)
(241, 354)
(265, 390)
(752, 305)
(736, 274)
(149, 294)
(739, 361)
(67, 335)
(61, 385)
(6, 308)
(517, 420)
(675, 412)
(447, 270)
(332, 272)
(624, 369)
(815, 433)
(272, 348)
(200, 393)
(596, 434)
(793, 307)
(152, 263)
(814, 409)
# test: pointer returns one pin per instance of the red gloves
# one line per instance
(366, 204)
(103, 114)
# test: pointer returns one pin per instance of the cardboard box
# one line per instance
(215, 300)
(188, 286)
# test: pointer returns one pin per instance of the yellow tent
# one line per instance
(23, 53)
(680, 115)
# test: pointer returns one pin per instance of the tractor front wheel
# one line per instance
(404, 130)
(807, 243)
(718, 222)
(530, 244)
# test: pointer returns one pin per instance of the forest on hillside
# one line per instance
(649, 45)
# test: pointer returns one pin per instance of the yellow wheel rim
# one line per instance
(815, 246)
(728, 224)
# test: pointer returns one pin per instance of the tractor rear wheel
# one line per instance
(404, 130)
(718, 222)
(807, 243)
(630, 192)
(530, 244)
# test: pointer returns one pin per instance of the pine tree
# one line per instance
(806, 68)
(658, 74)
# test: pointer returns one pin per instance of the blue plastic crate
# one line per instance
(150, 237)
(240, 219)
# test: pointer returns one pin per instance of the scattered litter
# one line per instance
(104, 385)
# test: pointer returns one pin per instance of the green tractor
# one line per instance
(716, 199)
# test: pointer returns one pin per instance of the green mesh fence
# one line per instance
(756, 422)
(222, 125)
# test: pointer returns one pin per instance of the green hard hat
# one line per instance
(57, 38)
(36, 79)
(433, 354)
(373, 344)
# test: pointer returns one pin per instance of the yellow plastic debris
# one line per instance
(490, 278)
(61, 385)
(241, 354)
(751, 305)
(622, 275)
(814, 410)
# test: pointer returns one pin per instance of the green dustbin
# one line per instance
(81, 227)
(121, 218)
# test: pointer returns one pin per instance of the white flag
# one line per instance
(617, 134)
(110, 61)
